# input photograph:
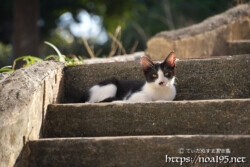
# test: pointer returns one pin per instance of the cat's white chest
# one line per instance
(149, 93)
(165, 93)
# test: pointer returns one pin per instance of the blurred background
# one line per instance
(106, 27)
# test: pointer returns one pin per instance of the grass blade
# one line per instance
(61, 58)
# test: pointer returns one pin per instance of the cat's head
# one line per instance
(159, 74)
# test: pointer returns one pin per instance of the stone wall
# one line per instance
(24, 96)
(206, 39)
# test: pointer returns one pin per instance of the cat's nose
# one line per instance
(161, 83)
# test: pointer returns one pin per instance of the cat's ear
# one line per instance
(146, 63)
(170, 60)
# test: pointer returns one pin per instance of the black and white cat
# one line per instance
(159, 85)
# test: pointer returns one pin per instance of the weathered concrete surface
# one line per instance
(217, 78)
(208, 38)
(159, 118)
(238, 47)
(120, 58)
(24, 96)
(139, 151)
(3, 76)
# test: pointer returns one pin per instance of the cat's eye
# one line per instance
(166, 74)
(155, 75)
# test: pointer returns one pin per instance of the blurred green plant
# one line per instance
(62, 58)
(5, 52)
(28, 59)
(6, 69)
(31, 59)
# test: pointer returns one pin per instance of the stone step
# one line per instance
(205, 39)
(139, 151)
(197, 79)
(238, 47)
(158, 118)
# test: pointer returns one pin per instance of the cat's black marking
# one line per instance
(124, 88)
(149, 73)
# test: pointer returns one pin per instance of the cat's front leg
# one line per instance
(163, 101)
(139, 97)
(119, 101)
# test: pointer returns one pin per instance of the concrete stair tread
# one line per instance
(239, 41)
(141, 137)
(214, 78)
(205, 39)
(223, 116)
(241, 46)
(129, 150)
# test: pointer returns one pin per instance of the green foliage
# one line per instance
(28, 59)
(139, 19)
(150, 15)
(74, 61)
(6, 69)
(31, 59)
(114, 12)
(5, 52)
(61, 58)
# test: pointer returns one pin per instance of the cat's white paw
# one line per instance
(119, 101)
(162, 101)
